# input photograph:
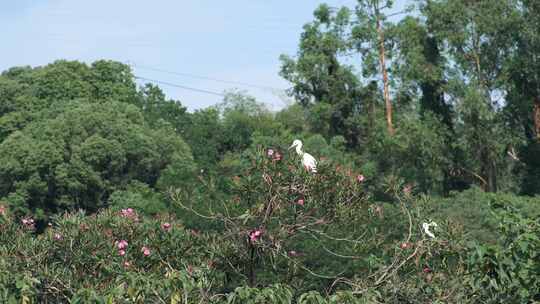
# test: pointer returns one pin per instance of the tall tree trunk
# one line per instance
(536, 117)
(387, 100)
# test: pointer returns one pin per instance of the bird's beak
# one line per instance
(291, 147)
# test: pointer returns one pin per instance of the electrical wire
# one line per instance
(180, 86)
(245, 84)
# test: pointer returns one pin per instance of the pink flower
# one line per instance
(129, 213)
(360, 178)
(28, 222)
(277, 156)
(293, 253)
(57, 236)
(145, 251)
(127, 264)
(407, 189)
(2, 210)
(255, 235)
(122, 252)
(300, 202)
(426, 269)
(122, 244)
(166, 226)
(270, 152)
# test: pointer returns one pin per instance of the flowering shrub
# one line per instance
(103, 256)
(320, 231)
(320, 236)
(277, 207)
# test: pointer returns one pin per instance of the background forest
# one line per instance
(113, 193)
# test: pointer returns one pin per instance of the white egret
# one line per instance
(308, 161)
(426, 227)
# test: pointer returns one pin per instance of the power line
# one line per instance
(188, 88)
(180, 86)
(246, 84)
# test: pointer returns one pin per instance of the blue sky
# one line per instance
(237, 40)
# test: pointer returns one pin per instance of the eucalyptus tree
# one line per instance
(369, 37)
(420, 67)
(523, 106)
(320, 79)
(478, 39)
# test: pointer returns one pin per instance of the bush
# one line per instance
(117, 255)
(508, 271)
(471, 210)
(319, 235)
(321, 231)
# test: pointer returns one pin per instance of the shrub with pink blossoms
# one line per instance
(166, 226)
(122, 244)
(129, 213)
(28, 223)
(255, 235)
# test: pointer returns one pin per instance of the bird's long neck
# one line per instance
(299, 150)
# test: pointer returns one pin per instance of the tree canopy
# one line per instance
(427, 118)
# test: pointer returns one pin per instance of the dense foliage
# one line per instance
(302, 238)
(426, 129)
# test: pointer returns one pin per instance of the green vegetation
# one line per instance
(111, 193)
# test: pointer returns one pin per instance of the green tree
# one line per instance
(77, 159)
(370, 38)
(242, 117)
(321, 83)
(420, 66)
(29, 94)
(478, 36)
(204, 134)
(523, 107)
(157, 108)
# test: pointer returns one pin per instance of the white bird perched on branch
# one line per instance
(308, 161)
(426, 227)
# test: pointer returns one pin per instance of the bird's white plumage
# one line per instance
(426, 227)
(308, 161)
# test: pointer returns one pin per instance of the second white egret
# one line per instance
(308, 161)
